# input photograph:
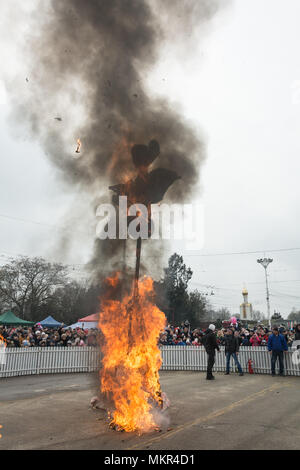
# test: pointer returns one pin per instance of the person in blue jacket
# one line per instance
(276, 346)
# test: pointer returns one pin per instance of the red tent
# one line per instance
(93, 318)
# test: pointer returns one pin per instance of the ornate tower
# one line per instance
(246, 307)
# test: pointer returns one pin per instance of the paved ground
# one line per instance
(250, 412)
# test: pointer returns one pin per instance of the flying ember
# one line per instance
(78, 146)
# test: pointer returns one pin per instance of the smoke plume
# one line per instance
(88, 60)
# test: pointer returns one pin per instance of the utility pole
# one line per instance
(265, 263)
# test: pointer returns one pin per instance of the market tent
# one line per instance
(92, 318)
(49, 322)
(10, 319)
(85, 326)
(87, 323)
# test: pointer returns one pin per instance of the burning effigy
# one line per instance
(131, 326)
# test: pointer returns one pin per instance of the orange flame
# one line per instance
(121, 154)
(2, 342)
(131, 358)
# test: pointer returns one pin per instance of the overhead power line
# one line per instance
(242, 252)
(234, 253)
(43, 224)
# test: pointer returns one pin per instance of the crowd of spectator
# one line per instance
(33, 337)
(185, 335)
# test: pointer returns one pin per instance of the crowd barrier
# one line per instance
(195, 358)
(33, 361)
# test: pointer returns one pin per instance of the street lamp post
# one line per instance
(265, 263)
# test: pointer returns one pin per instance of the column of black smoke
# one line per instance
(108, 46)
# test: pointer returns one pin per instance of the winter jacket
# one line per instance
(277, 343)
(210, 342)
(232, 344)
(255, 340)
(245, 341)
(297, 333)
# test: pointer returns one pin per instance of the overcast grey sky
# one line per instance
(240, 87)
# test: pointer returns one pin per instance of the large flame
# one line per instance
(3, 343)
(131, 357)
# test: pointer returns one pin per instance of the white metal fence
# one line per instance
(34, 361)
(195, 358)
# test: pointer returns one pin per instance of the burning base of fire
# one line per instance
(131, 359)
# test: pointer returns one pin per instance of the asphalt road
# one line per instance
(250, 412)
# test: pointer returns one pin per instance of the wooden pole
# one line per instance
(137, 267)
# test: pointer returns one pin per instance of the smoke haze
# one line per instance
(87, 62)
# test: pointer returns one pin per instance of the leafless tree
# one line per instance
(258, 315)
(25, 284)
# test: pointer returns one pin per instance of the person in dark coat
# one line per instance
(232, 346)
(210, 344)
(245, 340)
(297, 336)
(276, 346)
(297, 332)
